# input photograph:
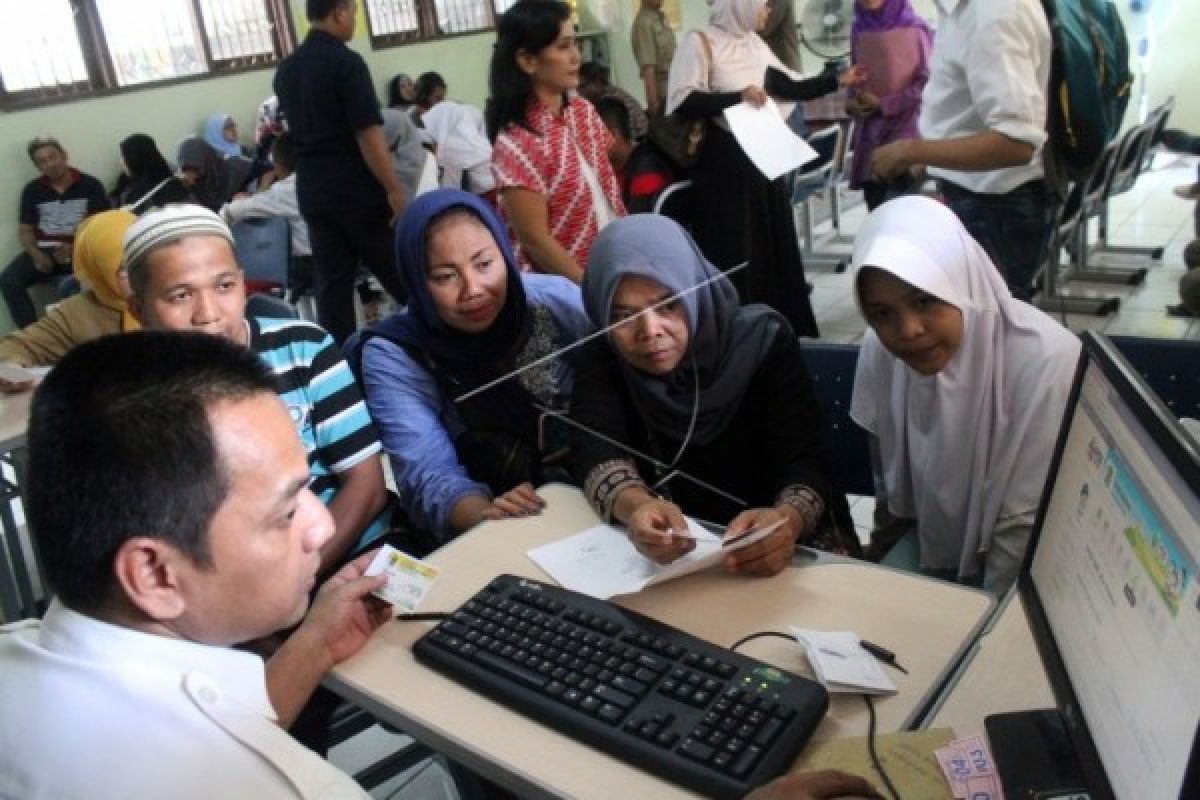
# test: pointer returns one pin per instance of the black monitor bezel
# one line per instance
(1184, 455)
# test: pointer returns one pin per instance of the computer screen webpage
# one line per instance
(1115, 570)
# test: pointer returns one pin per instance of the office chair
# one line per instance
(263, 247)
(821, 175)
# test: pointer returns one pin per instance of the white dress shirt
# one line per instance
(93, 710)
(989, 71)
(279, 200)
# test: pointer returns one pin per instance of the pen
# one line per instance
(881, 653)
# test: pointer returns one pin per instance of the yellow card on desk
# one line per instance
(907, 756)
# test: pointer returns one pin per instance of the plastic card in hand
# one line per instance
(14, 373)
(602, 562)
(408, 579)
(841, 664)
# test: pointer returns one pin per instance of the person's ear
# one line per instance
(527, 62)
(149, 573)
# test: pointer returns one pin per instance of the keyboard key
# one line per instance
(614, 696)
(696, 750)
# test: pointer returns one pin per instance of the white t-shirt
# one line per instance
(93, 710)
(990, 70)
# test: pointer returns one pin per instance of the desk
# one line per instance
(891, 608)
(1004, 674)
(17, 597)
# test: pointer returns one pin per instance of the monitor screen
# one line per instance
(1114, 571)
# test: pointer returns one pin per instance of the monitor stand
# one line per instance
(1034, 756)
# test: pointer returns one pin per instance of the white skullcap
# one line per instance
(170, 224)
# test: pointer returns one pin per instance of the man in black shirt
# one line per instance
(52, 206)
(347, 189)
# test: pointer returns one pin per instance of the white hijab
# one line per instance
(740, 56)
(967, 450)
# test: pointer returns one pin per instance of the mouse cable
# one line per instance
(875, 760)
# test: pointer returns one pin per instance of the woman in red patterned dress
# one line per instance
(557, 188)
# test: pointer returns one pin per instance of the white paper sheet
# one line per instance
(841, 664)
(767, 140)
(14, 373)
(602, 562)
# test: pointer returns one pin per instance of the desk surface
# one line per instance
(1005, 674)
(928, 624)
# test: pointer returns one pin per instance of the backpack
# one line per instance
(1090, 84)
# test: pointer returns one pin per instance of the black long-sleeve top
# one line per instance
(772, 443)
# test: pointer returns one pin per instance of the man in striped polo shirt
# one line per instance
(184, 276)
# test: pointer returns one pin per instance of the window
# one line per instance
(395, 22)
(62, 49)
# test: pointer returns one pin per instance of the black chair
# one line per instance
(831, 368)
(263, 247)
(270, 306)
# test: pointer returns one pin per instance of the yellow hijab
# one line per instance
(98, 259)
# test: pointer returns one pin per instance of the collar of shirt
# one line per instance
(241, 675)
(74, 174)
(948, 6)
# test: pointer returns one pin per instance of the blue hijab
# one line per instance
(214, 134)
(420, 326)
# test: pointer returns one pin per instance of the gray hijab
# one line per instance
(221, 177)
(727, 341)
(404, 143)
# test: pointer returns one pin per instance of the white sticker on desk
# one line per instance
(408, 579)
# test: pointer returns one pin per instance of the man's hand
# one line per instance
(62, 254)
(345, 614)
(892, 160)
(42, 262)
(16, 387)
(659, 531)
(398, 201)
(767, 556)
(824, 785)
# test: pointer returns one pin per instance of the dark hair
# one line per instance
(530, 26)
(283, 151)
(427, 83)
(395, 98)
(317, 10)
(614, 115)
(120, 445)
(590, 71)
(39, 143)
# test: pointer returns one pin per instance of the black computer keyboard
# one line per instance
(686, 710)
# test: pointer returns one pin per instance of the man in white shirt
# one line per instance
(168, 493)
(983, 125)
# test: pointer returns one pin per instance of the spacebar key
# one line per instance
(523, 676)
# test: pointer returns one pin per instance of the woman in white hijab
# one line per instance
(962, 388)
(737, 214)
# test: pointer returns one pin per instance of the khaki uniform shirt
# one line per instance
(654, 45)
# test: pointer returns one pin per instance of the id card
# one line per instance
(408, 579)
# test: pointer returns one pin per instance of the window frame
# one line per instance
(102, 80)
(426, 27)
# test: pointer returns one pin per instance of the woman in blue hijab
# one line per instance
(695, 404)
(457, 384)
(220, 131)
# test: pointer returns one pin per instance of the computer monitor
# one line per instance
(1110, 584)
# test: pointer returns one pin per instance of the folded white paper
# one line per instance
(841, 664)
(767, 140)
(602, 562)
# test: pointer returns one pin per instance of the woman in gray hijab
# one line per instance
(404, 143)
(694, 404)
(211, 178)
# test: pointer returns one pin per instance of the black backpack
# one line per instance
(1090, 85)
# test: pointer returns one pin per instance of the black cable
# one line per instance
(423, 616)
(871, 748)
(761, 635)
